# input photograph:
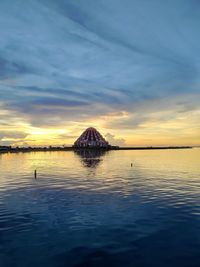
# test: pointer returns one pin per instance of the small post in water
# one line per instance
(131, 164)
(35, 174)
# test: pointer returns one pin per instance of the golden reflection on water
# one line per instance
(164, 171)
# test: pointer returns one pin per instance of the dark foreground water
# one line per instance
(96, 210)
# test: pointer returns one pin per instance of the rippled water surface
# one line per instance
(94, 209)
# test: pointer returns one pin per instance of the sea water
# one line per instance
(91, 208)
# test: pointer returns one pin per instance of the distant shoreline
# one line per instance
(51, 149)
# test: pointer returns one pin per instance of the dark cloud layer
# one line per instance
(72, 60)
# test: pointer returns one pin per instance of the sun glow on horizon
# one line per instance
(151, 132)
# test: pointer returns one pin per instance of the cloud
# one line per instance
(12, 135)
(115, 141)
(76, 61)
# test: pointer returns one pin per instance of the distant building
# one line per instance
(91, 138)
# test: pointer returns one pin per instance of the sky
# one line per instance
(129, 68)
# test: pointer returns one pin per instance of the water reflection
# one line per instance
(105, 214)
(91, 157)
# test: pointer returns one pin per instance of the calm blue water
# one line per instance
(96, 210)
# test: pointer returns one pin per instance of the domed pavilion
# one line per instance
(91, 138)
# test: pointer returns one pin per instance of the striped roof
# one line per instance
(91, 138)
